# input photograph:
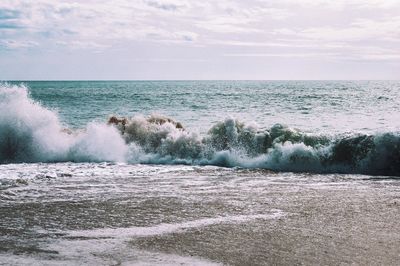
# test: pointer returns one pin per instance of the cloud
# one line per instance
(360, 29)
(9, 19)
(171, 37)
(6, 14)
(342, 28)
(164, 6)
(82, 45)
(12, 44)
(340, 4)
(8, 26)
(282, 55)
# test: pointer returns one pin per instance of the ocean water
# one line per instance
(199, 172)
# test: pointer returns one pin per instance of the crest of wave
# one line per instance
(158, 139)
(230, 143)
(30, 132)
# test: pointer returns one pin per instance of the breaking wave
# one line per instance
(31, 133)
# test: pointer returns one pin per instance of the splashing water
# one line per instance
(32, 133)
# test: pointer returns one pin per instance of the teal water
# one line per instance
(307, 126)
(316, 106)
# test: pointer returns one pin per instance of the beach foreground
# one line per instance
(113, 214)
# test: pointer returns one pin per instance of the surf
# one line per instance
(30, 132)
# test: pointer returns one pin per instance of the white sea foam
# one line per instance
(30, 132)
(163, 229)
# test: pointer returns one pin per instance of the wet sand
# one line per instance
(183, 215)
(326, 225)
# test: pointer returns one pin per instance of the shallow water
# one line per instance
(231, 188)
(154, 214)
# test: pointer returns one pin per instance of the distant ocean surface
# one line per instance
(327, 107)
(179, 156)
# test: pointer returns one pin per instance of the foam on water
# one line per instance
(162, 229)
(30, 132)
(99, 252)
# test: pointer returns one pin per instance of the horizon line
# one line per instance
(91, 80)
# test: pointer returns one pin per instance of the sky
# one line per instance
(206, 39)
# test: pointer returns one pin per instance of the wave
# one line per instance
(31, 133)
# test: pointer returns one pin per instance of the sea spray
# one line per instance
(30, 132)
(98, 143)
(231, 143)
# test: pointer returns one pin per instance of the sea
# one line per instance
(199, 172)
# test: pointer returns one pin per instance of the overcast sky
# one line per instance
(202, 39)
